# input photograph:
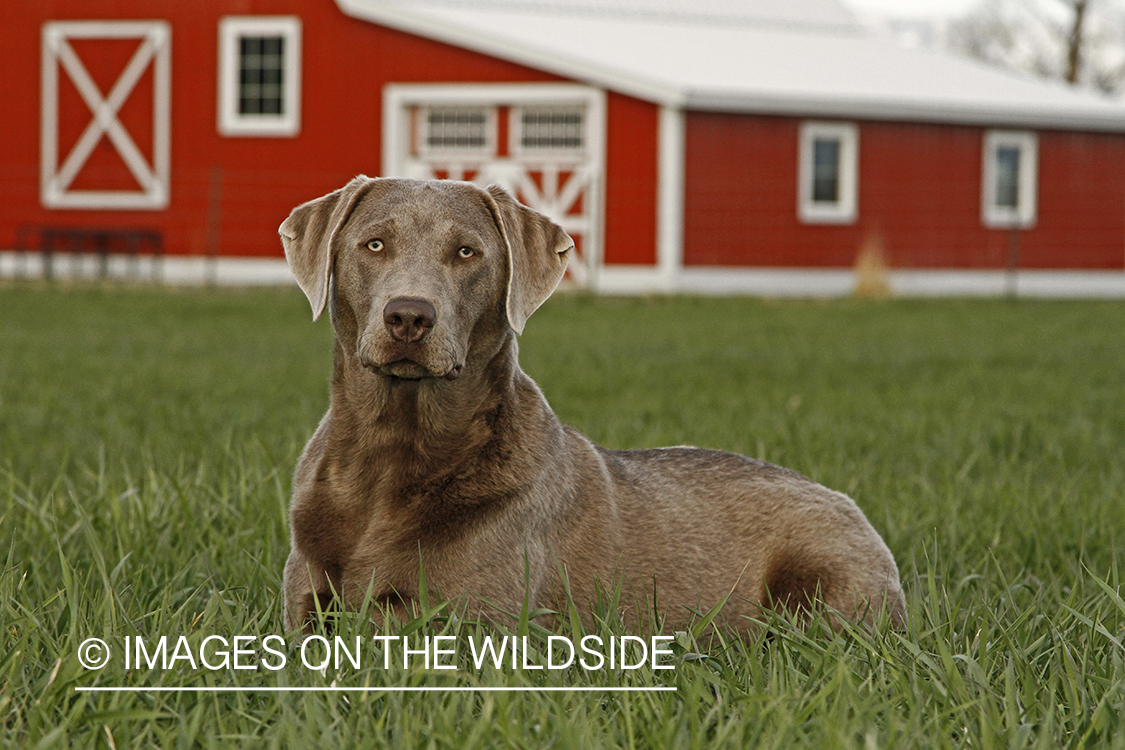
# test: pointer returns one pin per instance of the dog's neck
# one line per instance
(424, 426)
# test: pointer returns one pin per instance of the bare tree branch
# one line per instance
(1086, 48)
(1074, 40)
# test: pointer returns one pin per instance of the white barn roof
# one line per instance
(801, 57)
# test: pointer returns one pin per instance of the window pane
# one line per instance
(261, 75)
(551, 129)
(1008, 177)
(456, 129)
(826, 170)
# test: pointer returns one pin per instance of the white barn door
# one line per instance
(543, 142)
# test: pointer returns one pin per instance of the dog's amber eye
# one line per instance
(375, 246)
(465, 252)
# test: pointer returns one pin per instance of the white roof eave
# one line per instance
(899, 110)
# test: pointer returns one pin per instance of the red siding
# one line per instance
(740, 188)
(630, 201)
(1081, 202)
(919, 190)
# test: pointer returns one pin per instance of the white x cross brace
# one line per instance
(153, 179)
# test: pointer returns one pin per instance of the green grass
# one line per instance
(147, 439)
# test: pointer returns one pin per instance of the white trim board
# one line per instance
(840, 282)
(169, 269)
(827, 283)
(758, 282)
(670, 196)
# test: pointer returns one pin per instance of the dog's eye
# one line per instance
(375, 246)
(465, 252)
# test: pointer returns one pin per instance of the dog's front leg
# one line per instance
(304, 585)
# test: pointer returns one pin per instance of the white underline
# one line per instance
(376, 688)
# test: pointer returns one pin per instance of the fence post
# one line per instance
(1013, 264)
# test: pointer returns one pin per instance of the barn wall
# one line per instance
(919, 193)
(346, 63)
(919, 186)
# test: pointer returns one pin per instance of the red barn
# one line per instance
(731, 146)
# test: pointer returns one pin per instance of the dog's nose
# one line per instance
(409, 319)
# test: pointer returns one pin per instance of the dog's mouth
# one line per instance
(408, 369)
(408, 362)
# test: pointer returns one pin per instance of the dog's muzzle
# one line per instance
(408, 323)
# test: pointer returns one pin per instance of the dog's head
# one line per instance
(415, 269)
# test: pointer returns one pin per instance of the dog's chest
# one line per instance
(331, 515)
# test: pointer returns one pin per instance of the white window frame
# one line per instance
(845, 208)
(153, 178)
(1024, 214)
(515, 132)
(231, 121)
(423, 123)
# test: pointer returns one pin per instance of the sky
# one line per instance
(923, 8)
(946, 9)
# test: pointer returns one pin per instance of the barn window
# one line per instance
(550, 129)
(1009, 179)
(261, 68)
(826, 170)
(828, 173)
(457, 129)
(259, 75)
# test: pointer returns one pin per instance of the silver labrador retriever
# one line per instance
(438, 449)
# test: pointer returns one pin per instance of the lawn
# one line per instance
(147, 439)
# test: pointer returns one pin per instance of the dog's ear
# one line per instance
(538, 251)
(307, 237)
